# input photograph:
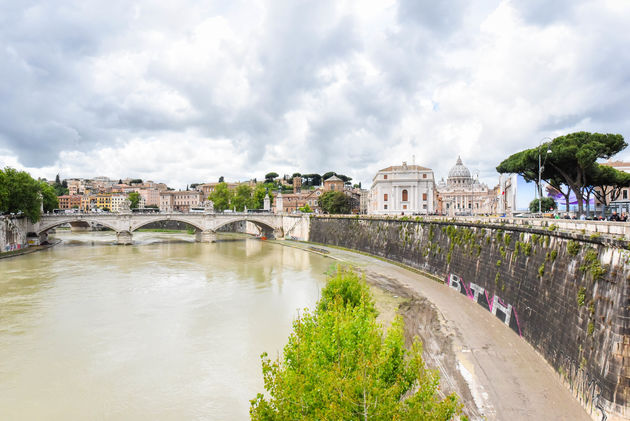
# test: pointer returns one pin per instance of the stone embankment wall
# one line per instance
(13, 233)
(567, 294)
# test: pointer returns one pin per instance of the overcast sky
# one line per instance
(187, 91)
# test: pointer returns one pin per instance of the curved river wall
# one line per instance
(565, 294)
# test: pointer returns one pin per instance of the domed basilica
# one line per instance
(461, 194)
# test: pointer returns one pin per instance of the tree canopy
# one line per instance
(339, 365)
(270, 176)
(19, 192)
(311, 180)
(221, 197)
(334, 202)
(49, 196)
(572, 162)
(134, 198)
(547, 204)
(258, 196)
(242, 197)
(60, 188)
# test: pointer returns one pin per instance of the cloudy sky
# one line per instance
(188, 91)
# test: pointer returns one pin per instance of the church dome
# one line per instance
(459, 170)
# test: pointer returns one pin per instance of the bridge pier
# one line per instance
(43, 237)
(278, 234)
(207, 236)
(124, 238)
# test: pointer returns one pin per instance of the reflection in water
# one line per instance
(164, 329)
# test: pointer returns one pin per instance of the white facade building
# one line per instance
(404, 189)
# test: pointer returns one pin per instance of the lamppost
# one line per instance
(540, 168)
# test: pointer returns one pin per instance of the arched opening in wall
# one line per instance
(165, 230)
(248, 227)
(77, 231)
(405, 196)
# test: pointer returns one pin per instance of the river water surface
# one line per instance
(165, 329)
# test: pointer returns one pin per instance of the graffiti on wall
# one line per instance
(494, 304)
(584, 387)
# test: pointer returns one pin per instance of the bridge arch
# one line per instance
(264, 225)
(152, 220)
(54, 224)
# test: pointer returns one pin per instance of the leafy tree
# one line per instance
(135, 181)
(574, 157)
(4, 192)
(327, 175)
(221, 179)
(49, 196)
(296, 174)
(547, 204)
(306, 209)
(22, 194)
(345, 178)
(606, 183)
(270, 177)
(134, 198)
(311, 180)
(572, 161)
(242, 197)
(60, 188)
(258, 196)
(221, 196)
(194, 185)
(334, 202)
(339, 365)
(120, 181)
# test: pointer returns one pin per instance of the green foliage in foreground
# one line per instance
(338, 365)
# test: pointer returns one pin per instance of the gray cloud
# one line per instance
(245, 88)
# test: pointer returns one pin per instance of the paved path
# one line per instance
(509, 379)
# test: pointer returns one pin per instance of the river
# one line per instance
(165, 329)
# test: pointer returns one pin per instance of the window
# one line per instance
(424, 196)
(385, 197)
(405, 196)
(625, 194)
(384, 176)
(424, 176)
(385, 207)
(404, 206)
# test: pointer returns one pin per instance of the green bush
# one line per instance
(339, 365)
(573, 247)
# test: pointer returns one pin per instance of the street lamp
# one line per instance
(540, 168)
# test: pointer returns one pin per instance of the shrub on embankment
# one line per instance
(338, 365)
(566, 294)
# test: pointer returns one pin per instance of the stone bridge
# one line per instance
(206, 224)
